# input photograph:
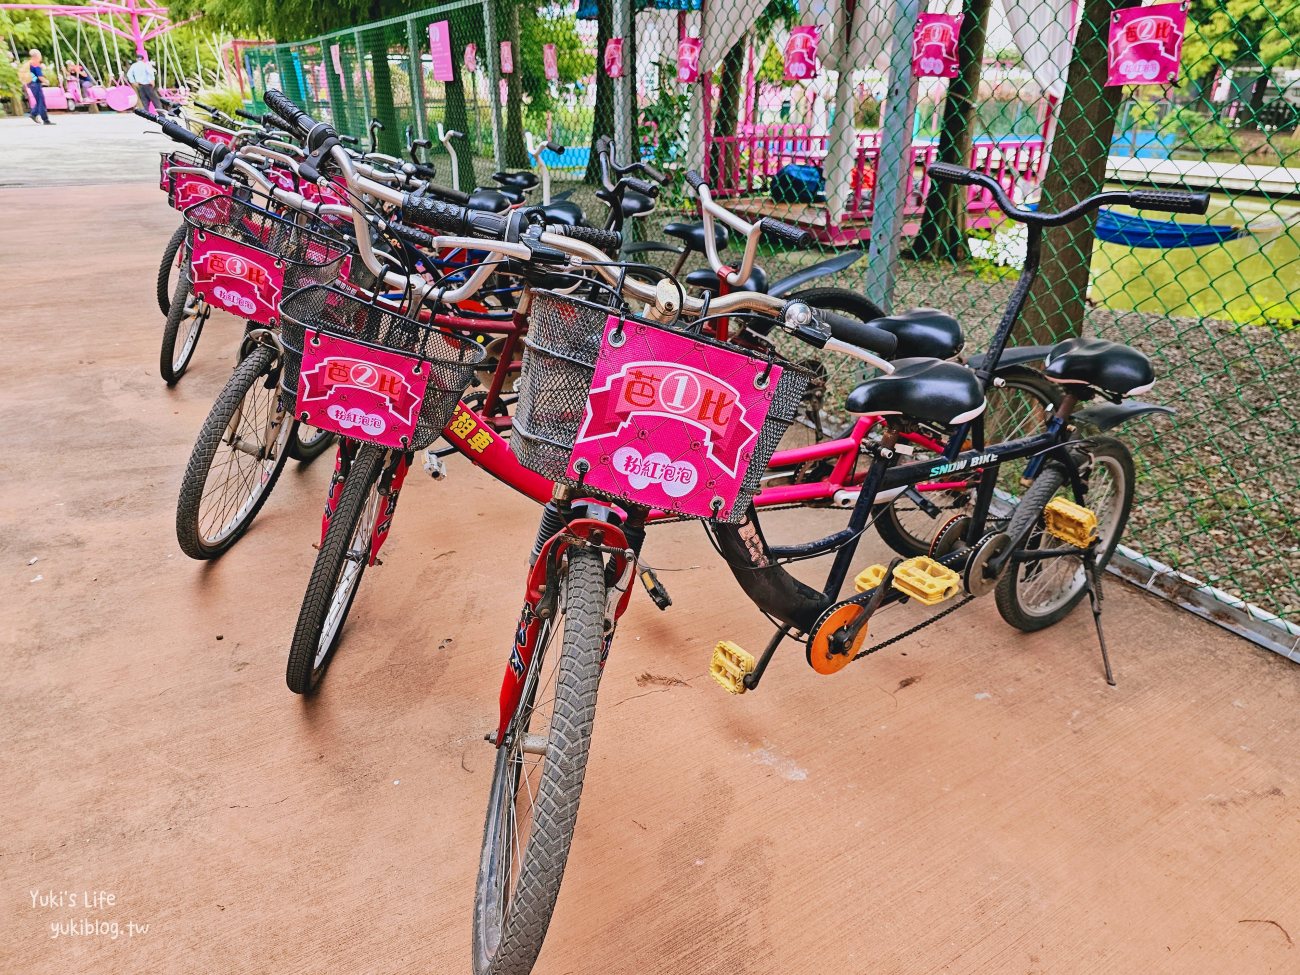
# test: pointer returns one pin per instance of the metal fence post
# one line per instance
(894, 164)
(416, 56)
(624, 23)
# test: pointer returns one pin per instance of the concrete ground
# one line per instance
(970, 801)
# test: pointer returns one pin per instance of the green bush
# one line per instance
(224, 99)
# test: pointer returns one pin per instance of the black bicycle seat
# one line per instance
(706, 280)
(493, 201)
(516, 180)
(923, 389)
(923, 332)
(692, 235)
(564, 212)
(1106, 365)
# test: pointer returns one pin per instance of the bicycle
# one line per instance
(1039, 562)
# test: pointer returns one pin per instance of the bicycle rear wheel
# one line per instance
(537, 781)
(239, 453)
(168, 268)
(1034, 595)
(308, 443)
(185, 320)
(336, 576)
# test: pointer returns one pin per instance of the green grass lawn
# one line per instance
(1252, 280)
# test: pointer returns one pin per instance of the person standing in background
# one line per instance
(141, 76)
(36, 86)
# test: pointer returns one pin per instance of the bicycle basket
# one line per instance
(643, 413)
(185, 189)
(368, 372)
(244, 258)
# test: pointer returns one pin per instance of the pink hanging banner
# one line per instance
(471, 57)
(688, 60)
(550, 62)
(507, 58)
(336, 58)
(614, 57)
(503, 90)
(801, 53)
(440, 50)
(1146, 44)
(934, 45)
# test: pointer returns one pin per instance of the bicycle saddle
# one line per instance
(923, 389)
(634, 204)
(491, 200)
(923, 332)
(692, 235)
(516, 180)
(1106, 365)
(566, 213)
(706, 280)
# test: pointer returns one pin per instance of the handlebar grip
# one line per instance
(455, 134)
(178, 133)
(554, 146)
(786, 234)
(858, 333)
(1170, 201)
(297, 120)
(949, 173)
(349, 140)
(412, 236)
(608, 241)
(455, 220)
(695, 179)
(644, 187)
(654, 174)
(207, 108)
(240, 113)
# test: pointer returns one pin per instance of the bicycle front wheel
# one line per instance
(236, 460)
(185, 320)
(168, 268)
(537, 781)
(336, 576)
(308, 443)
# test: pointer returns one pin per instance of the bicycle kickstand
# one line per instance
(1093, 575)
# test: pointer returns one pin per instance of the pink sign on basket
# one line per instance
(614, 57)
(671, 422)
(507, 58)
(1146, 44)
(934, 45)
(550, 62)
(360, 392)
(243, 280)
(440, 50)
(471, 57)
(219, 137)
(688, 60)
(801, 53)
(189, 188)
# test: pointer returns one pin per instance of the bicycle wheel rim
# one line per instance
(191, 326)
(350, 572)
(245, 463)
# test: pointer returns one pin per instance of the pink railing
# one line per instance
(744, 165)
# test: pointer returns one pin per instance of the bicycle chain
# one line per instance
(919, 626)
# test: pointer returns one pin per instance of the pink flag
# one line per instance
(1146, 44)
(503, 90)
(934, 45)
(507, 58)
(471, 56)
(688, 60)
(801, 53)
(614, 57)
(337, 59)
(440, 50)
(550, 61)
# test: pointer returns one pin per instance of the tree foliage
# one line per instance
(1221, 34)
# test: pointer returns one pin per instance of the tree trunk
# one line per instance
(456, 114)
(942, 234)
(726, 113)
(514, 154)
(338, 98)
(1077, 168)
(602, 120)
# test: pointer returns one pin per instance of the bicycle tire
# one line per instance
(306, 449)
(308, 660)
(508, 933)
(171, 365)
(840, 300)
(909, 540)
(1011, 592)
(257, 370)
(165, 291)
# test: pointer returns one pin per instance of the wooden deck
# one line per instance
(1274, 181)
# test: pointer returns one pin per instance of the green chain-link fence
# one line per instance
(1214, 300)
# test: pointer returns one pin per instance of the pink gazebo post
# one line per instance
(148, 18)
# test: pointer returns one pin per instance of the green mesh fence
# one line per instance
(1214, 300)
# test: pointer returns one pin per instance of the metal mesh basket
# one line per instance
(560, 350)
(451, 358)
(310, 254)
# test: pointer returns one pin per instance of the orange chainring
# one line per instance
(820, 657)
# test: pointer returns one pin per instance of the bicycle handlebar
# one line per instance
(784, 233)
(1166, 201)
(178, 133)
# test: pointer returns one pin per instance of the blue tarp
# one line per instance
(1121, 228)
(587, 8)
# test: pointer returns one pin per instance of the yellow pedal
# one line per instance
(926, 580)
(729, 666)
(869, 578)
(1071, 523)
